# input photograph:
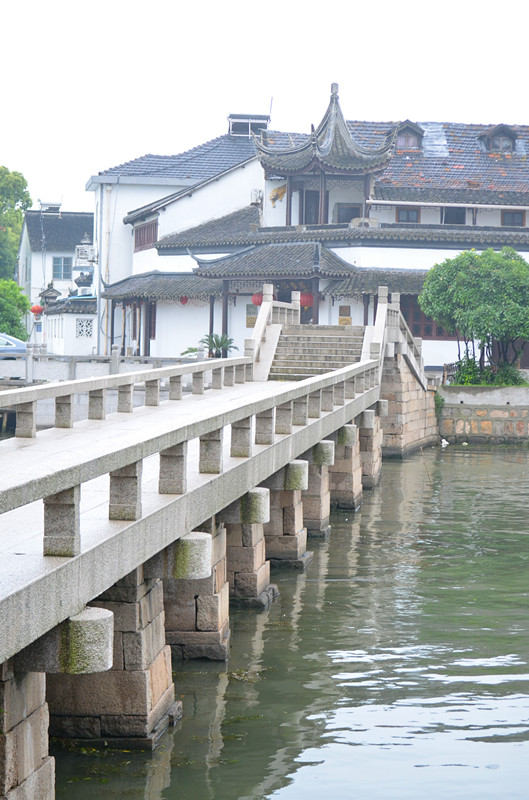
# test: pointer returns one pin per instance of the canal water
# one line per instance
(395, 667)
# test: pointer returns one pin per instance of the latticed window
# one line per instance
(146, 235)
(84, 328)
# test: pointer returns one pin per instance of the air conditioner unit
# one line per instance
(364, 222)
(256, 197)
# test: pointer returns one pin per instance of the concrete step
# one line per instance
(319, 330)
(334, 352)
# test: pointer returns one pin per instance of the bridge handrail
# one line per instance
(28, 394)
(34, 483)
(270, 312)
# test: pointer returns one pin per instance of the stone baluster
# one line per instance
(97, 404)
(26, 424)
(173, 470)
(217, 376)
(62, 530)
(198, 383)
(315, 404)
(339, 394)
(240, 373)
(229, 376)
(211, 454)
(370, 447)
(125, 492)
(264, 427)
(242, 438)
(351, 388)
(300, 411)
(126, 398)
(284, 418)
(327, 398)
(175, 387)
(152, 393)
(64, 407)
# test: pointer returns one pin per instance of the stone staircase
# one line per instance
(306, 350)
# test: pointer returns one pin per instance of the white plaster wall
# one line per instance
(436, 354)
(59, 334)
(394, 257)
(273, 216)
(179, 327)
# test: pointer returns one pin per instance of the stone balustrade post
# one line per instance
(126, 398)
(350, 388)
(315, 404)
(198, 383)
(229, 376)
(300, 411)
(265, 426)
(217, 376)
(114, 359)
(64, 407)
(240, 373)
(175, 387)
(62, 531)
(152, 393)
(173, 470)
(327, 398)
(284, 418)
(339, 394)
(242, 438)
(125, 492)
(97, 404)
(26, 424)
(211, 455)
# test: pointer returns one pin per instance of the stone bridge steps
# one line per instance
(306, 350)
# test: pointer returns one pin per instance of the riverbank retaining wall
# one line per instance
(483, 414)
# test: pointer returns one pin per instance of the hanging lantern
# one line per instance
(306, 300)
(257, 298)
(184, 299)
(36, 309)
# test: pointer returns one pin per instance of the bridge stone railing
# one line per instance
(37, 472)
(224, 372)
(271, 312)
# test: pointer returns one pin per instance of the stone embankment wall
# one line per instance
(484, 415)
(411, 422)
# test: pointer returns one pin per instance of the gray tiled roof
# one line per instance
(163, 286)
(405, 281)
(58, 232)
(240, 229)
(331, 146)
(197, 164)
(73, 305)
(237, 228)
(300, 260)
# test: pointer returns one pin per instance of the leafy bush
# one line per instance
(469, 373)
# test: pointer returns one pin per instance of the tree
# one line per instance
(14, 200)
(13, 305)
(216, 344)
(483, 298)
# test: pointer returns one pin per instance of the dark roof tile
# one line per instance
(57, 232)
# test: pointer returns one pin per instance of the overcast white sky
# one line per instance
(88, 85)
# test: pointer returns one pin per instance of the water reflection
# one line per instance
(396, 667)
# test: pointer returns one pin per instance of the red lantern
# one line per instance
(257, 298)
(36, 309)
(306, 300)
(184, 299)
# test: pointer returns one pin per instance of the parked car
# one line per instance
(10, 346)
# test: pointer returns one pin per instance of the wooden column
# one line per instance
(288, 219)
(316, 296)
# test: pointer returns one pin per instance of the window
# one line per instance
(501, 144)
(145, 235)
(407, 140)
(408, 215)
(419, 324)
(453, 216)
(513, 218)
(345, 212)
(84, 328)
(62, 267)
